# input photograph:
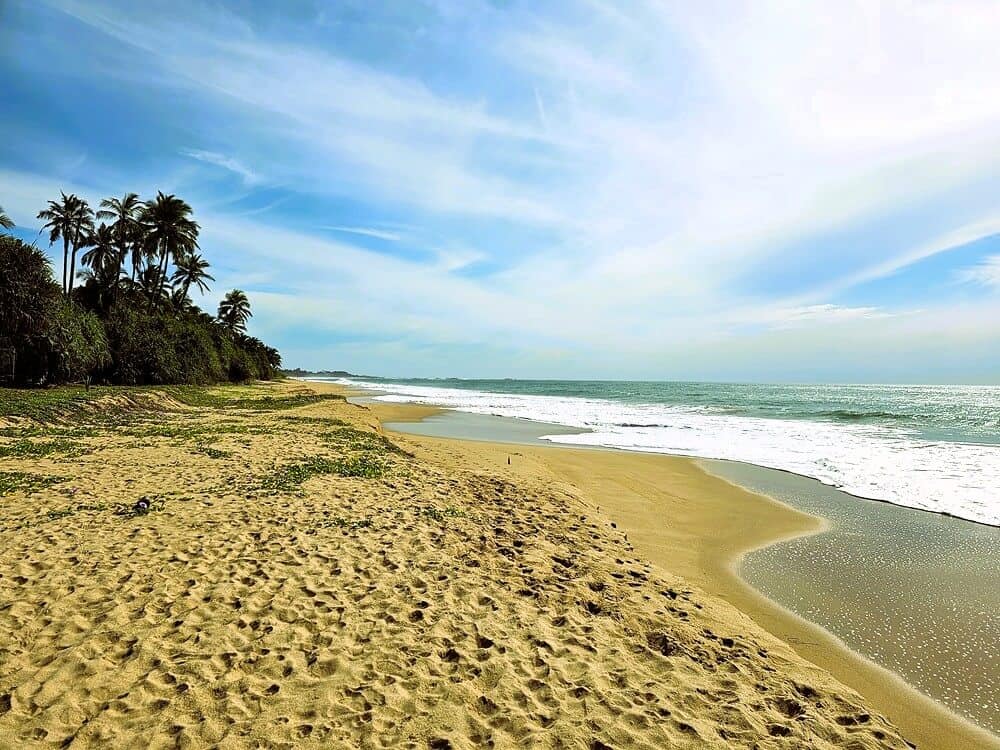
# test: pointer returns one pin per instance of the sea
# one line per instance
(931, 447)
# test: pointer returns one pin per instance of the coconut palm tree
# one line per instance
(234, 311)
(69, 219)
(153, 284)
(191, 270)
(179, 300)
(125, 213)
(103, 252)
(5, 220)
(104, 278)
(171, 234)
(84, 228)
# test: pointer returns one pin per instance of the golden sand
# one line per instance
(300, 583)
(688, 522)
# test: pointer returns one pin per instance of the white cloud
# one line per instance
(331, 124)
(381, 234)
(664, 153)
(228, 163)
(807, 314)
(952, 240)
(986, 273)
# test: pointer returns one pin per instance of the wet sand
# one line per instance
(917, 592)
(700, 526)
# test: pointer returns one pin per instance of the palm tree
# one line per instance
(171, 234)
(125, 213)
(234, 311)
(84, 226)
(5, 220)
(179, 300)
(103, 252)
(154, 284)
(191, 270)
(70, 219)
(104, 278)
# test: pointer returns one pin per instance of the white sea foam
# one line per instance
(883, 463)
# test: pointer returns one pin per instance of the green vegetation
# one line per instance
(340, 522)
(31, 449)
(69, 402)
(234, 310)
(120, 404)
(211, 452)
(366, 465)
(14, 481)
(278, 403)
(361, 440)
(325, 421)
(130, 320)
(440, 514)
(291, 477)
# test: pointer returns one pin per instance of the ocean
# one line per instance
(936, 448)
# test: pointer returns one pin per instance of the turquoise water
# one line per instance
(959, 413)
(936, 448)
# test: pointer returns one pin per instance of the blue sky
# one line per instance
(713, 190)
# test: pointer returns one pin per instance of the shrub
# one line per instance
(78, 346)
(29, 297)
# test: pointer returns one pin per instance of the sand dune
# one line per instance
(301, 583)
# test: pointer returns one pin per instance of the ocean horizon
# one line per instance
(930, 447)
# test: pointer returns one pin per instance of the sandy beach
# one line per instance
(699, 526)
(302, 580)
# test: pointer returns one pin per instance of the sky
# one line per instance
(722, 190)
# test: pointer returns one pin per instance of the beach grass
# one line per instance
(26, 482)
(69, 402)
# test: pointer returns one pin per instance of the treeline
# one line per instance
(129, 319)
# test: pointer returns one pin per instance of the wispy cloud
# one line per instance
(228, 163)
(985, 273)
(601, 179)
(808, 314)
(381, 234)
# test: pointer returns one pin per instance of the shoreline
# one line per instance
(263, 565)
(372, 391)
(922, 719)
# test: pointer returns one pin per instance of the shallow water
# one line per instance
(453, 424)
(930, 447)
(916, 592)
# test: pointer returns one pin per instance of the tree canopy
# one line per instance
(130, 319)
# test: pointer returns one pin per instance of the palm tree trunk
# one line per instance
(65, 258)
(122, 260)
(162, 268)
(72, 263)
(159, 276)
